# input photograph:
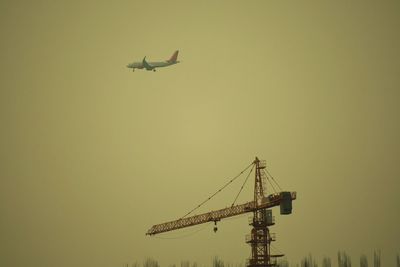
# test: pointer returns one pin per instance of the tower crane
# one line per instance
(260, 237)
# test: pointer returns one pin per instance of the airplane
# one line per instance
(153, 65)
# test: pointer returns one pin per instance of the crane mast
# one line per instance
(260, 237)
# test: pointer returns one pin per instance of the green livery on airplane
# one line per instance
(153, 65)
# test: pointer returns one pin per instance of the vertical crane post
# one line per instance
(260, 237)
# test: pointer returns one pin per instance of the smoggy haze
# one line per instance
(92, 154)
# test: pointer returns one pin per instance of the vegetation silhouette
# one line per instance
(343, 260)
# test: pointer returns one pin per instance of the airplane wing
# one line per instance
(147, 65)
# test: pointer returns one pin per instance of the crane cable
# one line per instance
(270, 180)
(198, 206)
(251, 170)
(277, 249)
(197, 231)
(272, 177)
(272, 185)
(183, 236)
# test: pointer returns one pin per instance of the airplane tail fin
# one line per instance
(174, 57)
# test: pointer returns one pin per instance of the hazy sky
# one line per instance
(92, 154)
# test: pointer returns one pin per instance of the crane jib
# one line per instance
(282, 199)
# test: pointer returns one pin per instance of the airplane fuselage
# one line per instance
(153, 65)
(158, 64)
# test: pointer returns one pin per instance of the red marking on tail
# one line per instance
(174, 57)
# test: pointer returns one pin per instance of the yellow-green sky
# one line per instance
(92, 154)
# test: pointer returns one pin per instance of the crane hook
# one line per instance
(215, 227)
